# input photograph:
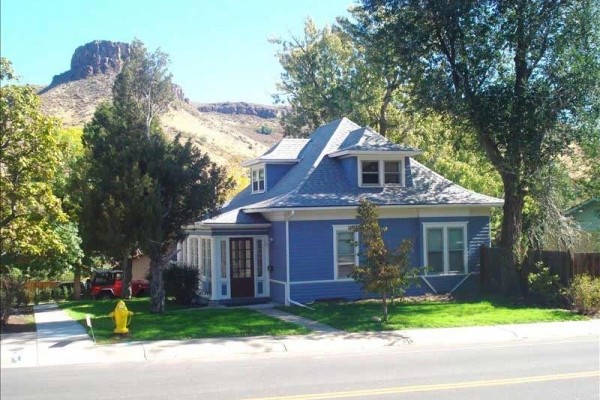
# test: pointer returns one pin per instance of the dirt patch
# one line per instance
(22, 321)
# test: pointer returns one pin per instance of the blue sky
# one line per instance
(218, 49)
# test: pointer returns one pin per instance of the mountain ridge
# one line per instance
(229, 132)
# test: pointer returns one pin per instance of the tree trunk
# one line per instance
(127, 266)
(512, 220)
(77, 283)
(384, 303)
(157, 288)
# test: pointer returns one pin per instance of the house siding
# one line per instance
(277, 255)
(307, 264)
(277, 292)
(275, 172)
(350, 167)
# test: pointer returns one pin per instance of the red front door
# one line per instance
(242, 267)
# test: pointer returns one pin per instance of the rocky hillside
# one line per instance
(229, 132)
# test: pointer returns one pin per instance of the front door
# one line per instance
(242, 267)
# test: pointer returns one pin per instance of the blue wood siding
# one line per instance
(277, 251)
(350, 167)
(312, 258)
(408, 181)
(277, 292)
(275, 172)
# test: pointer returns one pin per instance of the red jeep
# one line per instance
(107, 284)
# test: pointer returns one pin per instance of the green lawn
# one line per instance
(358, 316)
(178, 323)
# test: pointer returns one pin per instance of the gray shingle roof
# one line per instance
(365, 139)
(286, 149)
(320, 181)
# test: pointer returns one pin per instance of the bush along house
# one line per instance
(286, 237)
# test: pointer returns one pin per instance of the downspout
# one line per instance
(287, 257)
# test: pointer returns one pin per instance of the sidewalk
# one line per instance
(60, 341)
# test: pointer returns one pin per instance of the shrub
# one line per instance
(12, 294)
(265, 130)
(544, 288)
(181, 282)
(43, 295)
(584, 294)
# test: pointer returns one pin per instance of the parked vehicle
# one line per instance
(106, 284)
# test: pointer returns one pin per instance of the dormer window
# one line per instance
(258, 180)
(381, 173)
(370, 173)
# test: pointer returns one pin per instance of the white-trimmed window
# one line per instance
(369, 173)
(445, 247)
(381, 173)
(258, 180)
(206, 259)
(345, 251)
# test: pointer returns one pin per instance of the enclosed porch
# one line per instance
(231, 266)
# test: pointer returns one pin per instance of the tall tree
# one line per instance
(29, 157)
(319, 71)
(384, 271)
(143, 187)
(143, 90)
(523, 73)
(112, 189)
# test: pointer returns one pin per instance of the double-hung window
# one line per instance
(345, 252)
(258, 180)
(381, 173)
(392, 173)
(370, 173)
(445, 248)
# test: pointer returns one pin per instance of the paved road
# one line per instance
(568, 369)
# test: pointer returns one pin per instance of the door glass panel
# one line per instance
(259, 258)
(435, 251)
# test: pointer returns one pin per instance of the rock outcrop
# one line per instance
(97, 57)
(259, 110)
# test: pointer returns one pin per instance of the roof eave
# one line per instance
(276, 209)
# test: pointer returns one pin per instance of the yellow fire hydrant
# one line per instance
(121, 317)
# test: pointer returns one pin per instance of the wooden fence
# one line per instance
(499, 275)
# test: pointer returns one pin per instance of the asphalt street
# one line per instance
(566, 369)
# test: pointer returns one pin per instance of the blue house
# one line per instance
(286, 237)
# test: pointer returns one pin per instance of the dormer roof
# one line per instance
(365, 141)
(286, 151)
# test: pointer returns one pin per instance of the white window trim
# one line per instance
(444, 226)
(336, 229)
(257, 168)
(382, 159)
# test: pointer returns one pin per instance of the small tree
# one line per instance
(384, 271)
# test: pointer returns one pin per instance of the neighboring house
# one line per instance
(286, 237)
(587, 215)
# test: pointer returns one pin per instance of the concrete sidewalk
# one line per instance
(60, 340)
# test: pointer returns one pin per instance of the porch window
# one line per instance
(345, 252)
(445, 249)
(258, 180)
(206, 258)
(194, 252)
